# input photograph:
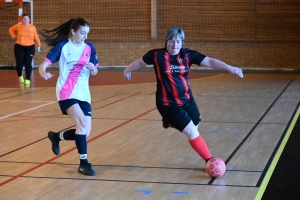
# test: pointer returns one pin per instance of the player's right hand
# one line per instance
(236, 72)
(47, 76)
(127, 75)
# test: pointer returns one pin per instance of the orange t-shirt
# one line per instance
(26, 34)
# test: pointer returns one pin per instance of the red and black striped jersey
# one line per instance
(173, 88)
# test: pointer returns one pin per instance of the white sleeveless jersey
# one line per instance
(73, 80)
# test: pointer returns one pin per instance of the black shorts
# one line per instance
(180, 116)
(85, 106)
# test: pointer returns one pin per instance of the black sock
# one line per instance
(81, 144)
(69, 134)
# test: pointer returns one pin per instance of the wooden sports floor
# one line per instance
(244, 122)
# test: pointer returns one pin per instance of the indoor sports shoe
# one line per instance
(86, 169)
(208, 160)
(55, 145)
(165, 124)
(27, 82)
(21, 79)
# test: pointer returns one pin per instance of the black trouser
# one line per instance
(24, 56)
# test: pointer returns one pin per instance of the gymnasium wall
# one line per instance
(244, 33)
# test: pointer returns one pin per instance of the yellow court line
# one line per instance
(276, 158)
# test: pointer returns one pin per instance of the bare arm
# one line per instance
(136, 65)
(217, 64)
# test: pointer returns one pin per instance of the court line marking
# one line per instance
(49, 189)
(22, 147)
(68, 151)
(26, 110)
(67, 127)
(146, 192)
(271, 169)
(103, 157)
(213, 74)
(9, 91)
(116, 101)
(123, 166)
(37, 90)
(180, 193)
(135, 181)
(253, 129)
(138, 136)
(257, 133)
(23, 101)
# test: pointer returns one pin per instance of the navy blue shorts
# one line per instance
(180, 116)
(85, 106)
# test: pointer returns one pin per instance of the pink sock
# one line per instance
(199, 145)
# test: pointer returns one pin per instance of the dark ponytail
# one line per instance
(62, 32)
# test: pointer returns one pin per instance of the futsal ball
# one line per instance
(215, 167)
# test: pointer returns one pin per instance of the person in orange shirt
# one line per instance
(25, 35)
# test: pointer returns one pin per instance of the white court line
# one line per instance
(121, 108)
(26, 110)
(22, 101)
(49, 189)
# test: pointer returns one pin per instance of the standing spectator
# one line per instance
(24, 34)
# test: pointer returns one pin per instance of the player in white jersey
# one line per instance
(77, 59)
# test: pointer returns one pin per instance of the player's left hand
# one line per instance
(236, 72)
(39, 48)
(90, 66)
(93, 69)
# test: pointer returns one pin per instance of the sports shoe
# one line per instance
(27, 82)
(21, 79)
(208, 160)
(166, 124)
(55, 145)
(86, 169)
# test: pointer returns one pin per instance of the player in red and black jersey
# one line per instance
(174, 99)
(173, 88)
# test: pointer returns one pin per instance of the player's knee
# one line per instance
(191, 131)
(191, 134)
(81, 126)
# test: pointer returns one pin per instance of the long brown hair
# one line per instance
(63, 31)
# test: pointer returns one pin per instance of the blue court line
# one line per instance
(237, 132)
(146, 192)
(181, 193)
(212, 131)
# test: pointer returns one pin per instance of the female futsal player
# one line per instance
(77, 59)
(174, 98)
(25, 35)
